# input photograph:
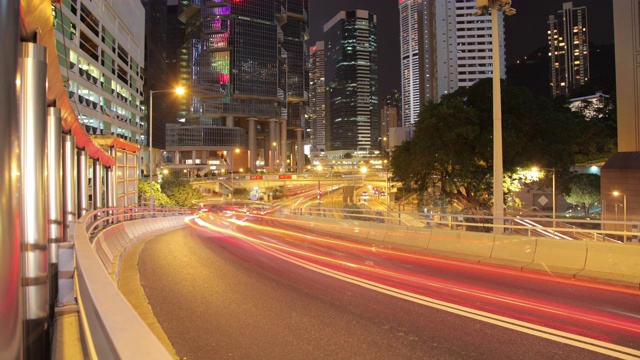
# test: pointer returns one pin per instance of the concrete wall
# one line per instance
(606, 262)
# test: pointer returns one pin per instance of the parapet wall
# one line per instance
(604, 262)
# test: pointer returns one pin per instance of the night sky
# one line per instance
(525, 32)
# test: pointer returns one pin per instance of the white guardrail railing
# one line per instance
(563, 227)
(110, 328)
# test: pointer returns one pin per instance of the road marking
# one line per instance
(522, 326)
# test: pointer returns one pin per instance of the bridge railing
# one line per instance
(566, 228)
(109, 326)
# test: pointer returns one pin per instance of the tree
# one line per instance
(452, 143)
(161, 198)
(584, 189)
(180, 191)
(598, 137)
(240, 192)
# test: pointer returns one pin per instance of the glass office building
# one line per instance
(244, 63)
(351, 78)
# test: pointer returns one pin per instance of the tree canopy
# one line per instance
(180, 190)
(584, 189)
(452, 144)
(161, 198)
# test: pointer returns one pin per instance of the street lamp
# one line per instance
(386, 177)
(274, 157)
(319, 168)
(178, 91)
(553, 189)
(624, 212)
(484, 7)
(231, 172)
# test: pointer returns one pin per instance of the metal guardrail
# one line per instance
(566, 228)
(110, 327)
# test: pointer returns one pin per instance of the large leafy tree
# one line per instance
(452, 144)
(599, 132)
(584, 189)
(180, 191)
(161, 198)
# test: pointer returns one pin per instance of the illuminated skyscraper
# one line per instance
(351, 78)
(568, 49)
(244, 63)
(443, 47)
(389, 117)
(317, 99)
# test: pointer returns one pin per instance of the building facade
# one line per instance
(100, 48)
(317, 98)
(101, 55)
(351, 78)
(244, 63)
(389, 117)
(443, 47)
(568, 38)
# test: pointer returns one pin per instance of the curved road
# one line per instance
(216, 295)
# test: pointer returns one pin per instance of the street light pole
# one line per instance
(179, 91)
(498, 191)
(553, 203)
(495, 6)
(624, 213)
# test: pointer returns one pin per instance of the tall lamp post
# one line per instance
(236, 150)
(179, 91)
(319, 168)
(484, 7)
(386, 178)
(624, 213)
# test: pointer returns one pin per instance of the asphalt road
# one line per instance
(217, 296)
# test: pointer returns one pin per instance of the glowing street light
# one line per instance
(624, 211)
(178, 91)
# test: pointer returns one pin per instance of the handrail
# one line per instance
(568, 229)
(111, 327)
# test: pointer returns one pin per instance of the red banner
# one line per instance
(284, 177)
(255, 177)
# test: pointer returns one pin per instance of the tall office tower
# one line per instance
(351, 78)
(244, 63)
(389, 117)
(101, 53)
(568, 49)
(156, 66)
(317, 97)
(443, 47)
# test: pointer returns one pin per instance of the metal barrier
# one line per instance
(110, 327)
(565, 229)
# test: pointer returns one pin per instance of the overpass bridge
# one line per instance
(58, 251)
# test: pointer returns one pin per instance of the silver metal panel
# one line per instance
(54, 179)
(97, 185)
(82, 184)
(10, 227)
(32, 112)
(68, 183)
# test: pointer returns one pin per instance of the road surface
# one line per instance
(234, 290)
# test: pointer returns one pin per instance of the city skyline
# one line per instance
(529, 24)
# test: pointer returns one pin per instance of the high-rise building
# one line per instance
(443, 47)
(156, 65)
(101, 53)
(317, 97)
(389, 117)
(100, 49)
(568, 49)
(351, 78)
(244, 63)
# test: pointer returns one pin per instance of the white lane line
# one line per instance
(528, 328)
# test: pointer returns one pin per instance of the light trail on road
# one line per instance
(404, 271)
